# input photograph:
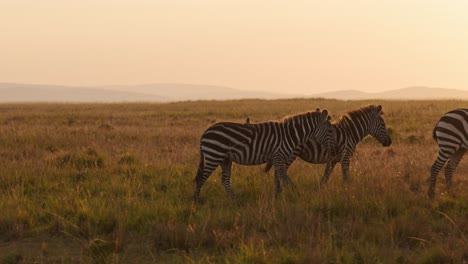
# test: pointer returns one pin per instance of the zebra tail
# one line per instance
(434, 136)
(200, 168)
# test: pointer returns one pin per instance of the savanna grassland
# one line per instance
(112, 183)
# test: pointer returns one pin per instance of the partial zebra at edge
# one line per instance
(451, 135)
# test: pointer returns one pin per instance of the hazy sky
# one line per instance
(287, 46)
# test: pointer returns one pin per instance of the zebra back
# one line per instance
(250, 144)
(452, 124)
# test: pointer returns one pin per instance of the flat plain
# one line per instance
(112, 183)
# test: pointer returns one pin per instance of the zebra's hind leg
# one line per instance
(345, 165)
(286, 180)
(280, 172)
(226, 178)
(436, 167)
(284, 177)
(204, 172)
(451, 166)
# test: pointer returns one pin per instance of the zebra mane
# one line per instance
(358, 113)
(291, 118)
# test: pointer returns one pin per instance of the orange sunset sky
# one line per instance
(278, 46)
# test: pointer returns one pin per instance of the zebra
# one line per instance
(347, 133)
(254, 144)
(451, 134)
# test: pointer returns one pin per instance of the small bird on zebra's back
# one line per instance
(255, 144)
(351, 129)
(451, 134)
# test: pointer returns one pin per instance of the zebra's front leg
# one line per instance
(327, 172)
(451, 166)
(278, 188)
(226, 178)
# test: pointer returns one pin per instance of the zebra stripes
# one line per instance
(451, 134)
(253, 144)
(348, 132)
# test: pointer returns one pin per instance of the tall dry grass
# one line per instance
(112, 183)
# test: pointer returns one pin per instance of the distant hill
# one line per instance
(181, 92)
(409, 93)
(15, 92)
(170, 92)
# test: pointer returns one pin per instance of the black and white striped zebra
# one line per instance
(254, 144)
(348, 132)
(451, 134)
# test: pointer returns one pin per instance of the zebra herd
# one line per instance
(312, 137)
(253, 144)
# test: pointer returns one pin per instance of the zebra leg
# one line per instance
(280, 174)
(345, 166)
(226, 178)
(286, 180)
(451, 166)
(326, 174)
(204, 172)
(436, 167)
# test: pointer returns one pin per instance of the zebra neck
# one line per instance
(354, 130)
(295, 136)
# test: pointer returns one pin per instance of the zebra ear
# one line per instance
(324, 116)
(379, 110)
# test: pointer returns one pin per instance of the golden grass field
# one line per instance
(112, 183)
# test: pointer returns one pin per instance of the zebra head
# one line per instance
(377, 127)
(324, 133)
